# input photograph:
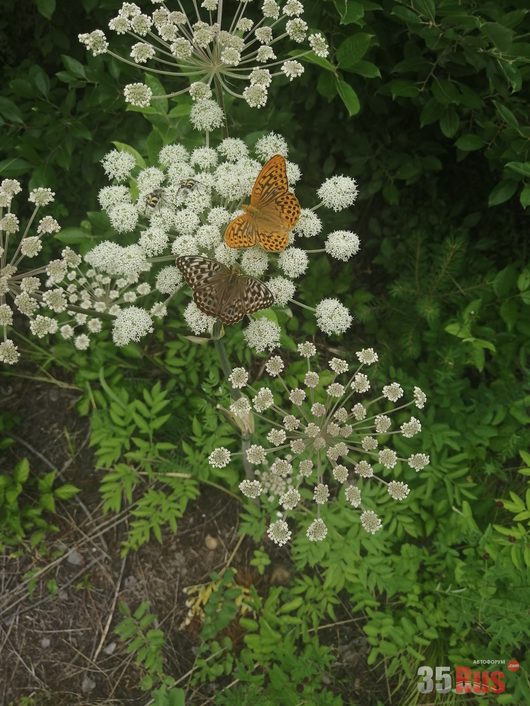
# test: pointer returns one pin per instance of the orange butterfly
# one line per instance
(273, 211)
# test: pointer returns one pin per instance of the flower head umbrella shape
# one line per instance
(197, 194)
(67, 296)
(21, 290)
(206, 47)
(329, 440)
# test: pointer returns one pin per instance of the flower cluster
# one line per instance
(209, 49)
(183, 206)
(329, 440)
(21, 290)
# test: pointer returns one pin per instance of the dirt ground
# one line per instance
(57, 642)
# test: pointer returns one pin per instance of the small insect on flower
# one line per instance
(155, 198)
(221, 291)
(186, 186)
(273, 211)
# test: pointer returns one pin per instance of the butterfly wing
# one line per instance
(275, 211)
(256, 295)
(241, 232)
(246, 296)
(273, 240)
(278, 208)
(199, 271)
(208, 298)
(208, 280)
(289, 209)
(271, 182)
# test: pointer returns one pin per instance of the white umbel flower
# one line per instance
(333, 317)
(317, 531)
(131, 325)
(342, 244)
(370, 522)
(279, 532)
(262, 335)
(206, 115)
(338, 192)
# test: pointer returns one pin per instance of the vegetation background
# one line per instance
(425, 103)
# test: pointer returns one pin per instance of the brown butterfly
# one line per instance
(221, 291)
(273, 211)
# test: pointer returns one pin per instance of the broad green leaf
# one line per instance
(353, 48)
(13, 167)
(349, 97)
(349, 11)
(312, 58)
(46, 7)
(469, 142)
(427, 8)
(403, 89)
(40, 79)
(520, 168)
(159, 102)
(503, 191)
(449, 122)
(74, 67)
(523, 281)
(10, 111)
(507, 115)
(445, 91)
(365, 69)
(501, 36)
(524, 197)
(73, 236)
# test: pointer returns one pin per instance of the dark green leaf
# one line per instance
(507, 115)
(469, 142)
(349, 97)
(449, 122)
(349, 11)
(445, 91)
(403, 89)
(431, 112)
(46, 7)
(74, 67)
(366, 69)
(501, 36)
(312, 58)
(10, 110)
(13, 167)
(522, 168)
(503, 191)
(525, 196)
(40, 80)
(353, 48)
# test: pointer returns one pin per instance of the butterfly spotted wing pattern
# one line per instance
(221, 292)
(271, 182)
(242, 232)
(272, 213)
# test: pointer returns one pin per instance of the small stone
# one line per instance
(88, 685)
(74, 557)
(45, 642)
(109, 649)
(211, 542)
